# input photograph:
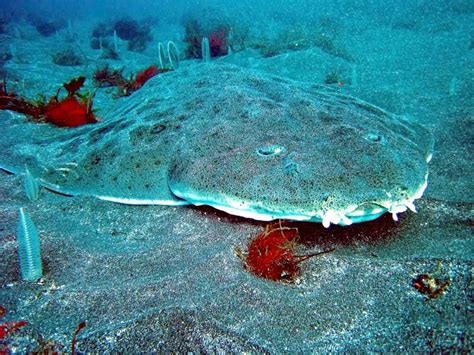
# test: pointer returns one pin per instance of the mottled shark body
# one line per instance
(245, 142)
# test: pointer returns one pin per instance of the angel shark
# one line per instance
(245, 142)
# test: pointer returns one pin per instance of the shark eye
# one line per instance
(270, 150)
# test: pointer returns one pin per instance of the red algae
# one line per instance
(72, 111)
(271, 254)
(218, 42)
(104, 77)
(69, 113)
(8, 327)
(143, 76)
(79, 327)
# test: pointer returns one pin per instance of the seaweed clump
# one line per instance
(127, 29)
(218, 39)
(102, 39)
(102, 31)
(323, 35)
(137, 35)
(75, 110)
(3, 24)
(333, 77)
(45, 347)
(47, 28)
(105, 45)
(106, 77)
(67, 58)
(5, 57)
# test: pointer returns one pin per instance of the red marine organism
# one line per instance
(69, 112)
(74, 85)
(431, 286)
(75, 110)
(72, 111)
(218, 42)
(8, 327)
(143, 76)
(127, 87)
(218, 39)
(80, 326)
(105, 77)
(271, 254)
(12, 102)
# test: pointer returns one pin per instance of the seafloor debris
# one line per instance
(431, 286)
(271, 254)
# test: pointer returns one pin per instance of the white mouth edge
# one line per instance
(353, 214)
(327, 217)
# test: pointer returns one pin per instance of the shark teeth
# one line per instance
(335, 217)
(352, 214)
(396, 209)
(399, 207)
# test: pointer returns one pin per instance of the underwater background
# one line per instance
(169, 278)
